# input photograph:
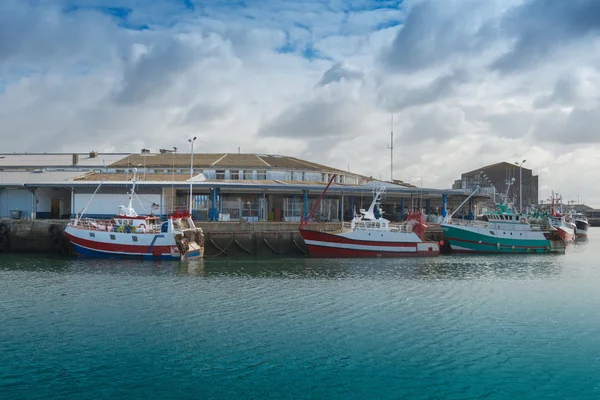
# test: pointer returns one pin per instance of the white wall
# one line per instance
(45, 195)
(108, 204)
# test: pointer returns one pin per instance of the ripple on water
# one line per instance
(450, 327)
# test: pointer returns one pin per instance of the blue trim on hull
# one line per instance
(88, 253)
(192, 254)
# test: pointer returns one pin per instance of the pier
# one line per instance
(222, 239)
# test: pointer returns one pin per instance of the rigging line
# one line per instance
(88, 203)
(140, 201)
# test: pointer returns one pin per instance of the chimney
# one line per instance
(93, 154)
(75, 159)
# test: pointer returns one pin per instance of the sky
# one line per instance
(468, 83)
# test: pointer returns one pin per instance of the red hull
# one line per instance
(565, 234)
(327, 245)
(116, 247)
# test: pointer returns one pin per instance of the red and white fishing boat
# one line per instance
(130, 235)
(369, 235)
(565, 229)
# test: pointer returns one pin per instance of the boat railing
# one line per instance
(347, 226)
(108, 225)
(468, 222)
(485, 224)
(93, 224)
(406, 228)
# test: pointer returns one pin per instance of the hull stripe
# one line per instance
(363, 247)
(482, 243)
(332, 252)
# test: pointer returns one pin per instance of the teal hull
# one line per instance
(464, 239)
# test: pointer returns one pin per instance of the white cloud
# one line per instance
(470, 83)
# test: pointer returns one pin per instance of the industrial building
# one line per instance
(224, 187)
(493, 179)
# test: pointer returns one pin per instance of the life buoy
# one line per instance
(523, 220)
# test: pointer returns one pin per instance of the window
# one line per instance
(112, 237)
(247, 175)
(234, 175)
(220, 174)
(261, 175)
(92, 234)
(135, 238)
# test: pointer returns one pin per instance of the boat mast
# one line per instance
(391, 147)
(132, 193)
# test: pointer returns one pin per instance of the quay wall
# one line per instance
(222, 239)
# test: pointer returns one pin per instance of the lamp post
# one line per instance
(520, 185)
(192, 140)
(173, 197)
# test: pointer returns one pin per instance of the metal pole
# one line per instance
(521, 186)
(173, 182)
(191, 171)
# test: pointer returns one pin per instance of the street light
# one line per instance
(520, 185)
(174, 151)
(191, 171)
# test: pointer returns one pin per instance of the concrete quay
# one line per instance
(222, 239)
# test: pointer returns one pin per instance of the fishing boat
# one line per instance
(581, 224)
(501, 231)
(368, 234)
(130, 235)
(565, 228)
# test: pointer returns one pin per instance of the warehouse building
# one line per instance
(223, 187)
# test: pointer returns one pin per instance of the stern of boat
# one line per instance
(190, 243)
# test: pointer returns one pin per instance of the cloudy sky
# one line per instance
(468, 82)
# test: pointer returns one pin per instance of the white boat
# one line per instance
(581, 223)
(369, 235)
(130, 235)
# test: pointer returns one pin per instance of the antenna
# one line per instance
(391, 147)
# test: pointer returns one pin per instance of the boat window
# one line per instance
(92, 234)
(377, 225)
(112, 237)
(492, 233)
(135, 238)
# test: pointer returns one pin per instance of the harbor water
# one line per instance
(450, 327)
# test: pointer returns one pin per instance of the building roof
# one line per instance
(502, 164)
(18, 178)
(222, 161)
(59, 160)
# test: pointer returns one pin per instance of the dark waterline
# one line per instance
(452, 327)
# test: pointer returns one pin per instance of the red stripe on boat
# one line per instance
(332, 252)
(118, 248)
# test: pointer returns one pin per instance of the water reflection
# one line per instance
(453, 267)
(442, 268)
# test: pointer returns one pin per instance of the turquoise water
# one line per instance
(453, 327)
